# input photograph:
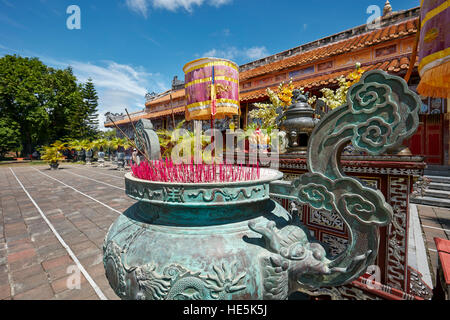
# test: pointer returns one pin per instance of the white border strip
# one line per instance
(429, 227)
(416, 246)
(107, 184)
(69, 251)
(93, 199)
(105, 174)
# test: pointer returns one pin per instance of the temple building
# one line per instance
(318, 65)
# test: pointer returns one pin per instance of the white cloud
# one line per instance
(151, 40)
(230, 53)
(233, 53)
(173, 5)
(256, 53)
(218, 3)
(141, 6)
(119, 86)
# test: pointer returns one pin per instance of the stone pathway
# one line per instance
(437, 193)
(40, 257)
(435, 223)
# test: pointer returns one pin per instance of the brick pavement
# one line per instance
(435, 223)
(33, 263)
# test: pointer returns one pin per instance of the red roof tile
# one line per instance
(411, 25)
(166, 98)
(151, 115)
(393, 65)
(391, 32)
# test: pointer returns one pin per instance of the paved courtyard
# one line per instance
(39, 258)
(435, 223)
(52, 226)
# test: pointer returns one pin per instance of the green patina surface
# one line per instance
(231, 241)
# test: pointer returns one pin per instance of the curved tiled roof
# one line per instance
(394, 65)
(357, 42)
(166, 98)
(151, 115)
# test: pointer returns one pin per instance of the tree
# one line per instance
(91, 101)
(44, 103)
(9, 136)
(64, 100)
(108, 134)
(23, 98)
(82, 122)
(76, 125)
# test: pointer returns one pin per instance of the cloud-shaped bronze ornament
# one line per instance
(380, 113)
(386, 110)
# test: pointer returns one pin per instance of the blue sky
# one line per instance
(130, 47)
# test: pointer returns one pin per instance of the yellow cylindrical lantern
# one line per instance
(199, 82)
(434, 49)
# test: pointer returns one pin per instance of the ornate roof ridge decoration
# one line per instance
(177, 83)
(153, 97)
(395, 19)
(120, 117)
(165, 96)
(387, 10)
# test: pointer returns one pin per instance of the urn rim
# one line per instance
(270, 175)
(201, 195)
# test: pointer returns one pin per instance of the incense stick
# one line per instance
(167, 171)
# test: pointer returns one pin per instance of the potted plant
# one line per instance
(101, 145)
(112, 147)
(88, 147)
(52, 154)
(120, 144)
(78, 146)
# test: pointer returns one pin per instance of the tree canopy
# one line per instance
(40, 104)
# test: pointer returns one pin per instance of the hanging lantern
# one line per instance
(434, 49)
(209, 81)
